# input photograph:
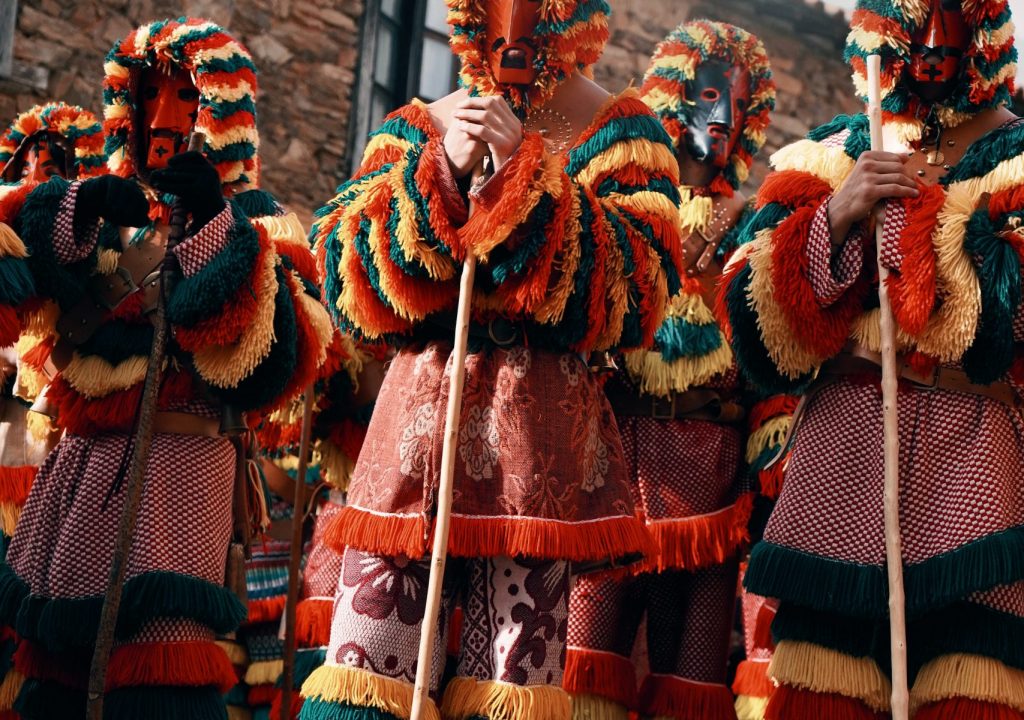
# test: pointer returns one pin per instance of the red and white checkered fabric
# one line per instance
(66, 247)
(829, 277)
(195, 252)
(895, 221)
(323, 564)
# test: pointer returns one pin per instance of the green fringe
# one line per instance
(306, 661)
(48, 700)
(257, 203)
(315, 709)
(16, 283)
(62, 624)
(861, 590)
(165, 703)
(678, 338)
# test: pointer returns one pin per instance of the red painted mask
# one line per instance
(510, 35)
(37, 160)
(936, 51)
(170, 103)
(720, 96)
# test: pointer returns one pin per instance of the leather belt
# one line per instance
(858, 360)
(186, 424)
(697, 404)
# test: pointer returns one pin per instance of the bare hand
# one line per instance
(877, 176)
(464, 152)
(490, 120)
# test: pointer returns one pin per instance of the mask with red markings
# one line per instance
(38, 159)
(510, 37)
(937, 50)
(719, 95)
(169, 104)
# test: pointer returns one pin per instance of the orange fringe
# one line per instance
(752, 679)
(789, 703)
(960, 708)
(702, 541)
(15, 482)
(770, 479)
(670, 696)
(262, 694)
(10, 325)
(193, 663)
(913, 288)
(275, 707)
(35, 663)
(266, 610)
(393, 535)
(605, 674)
(313, 622)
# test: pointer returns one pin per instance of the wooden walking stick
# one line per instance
(890, 421)
(439, 552)
(137, 469)
(295, 558)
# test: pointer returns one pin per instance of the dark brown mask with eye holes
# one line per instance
(719, 95)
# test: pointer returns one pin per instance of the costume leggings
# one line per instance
(512, 647)
(689, 623)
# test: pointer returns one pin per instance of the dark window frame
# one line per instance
(8, 32)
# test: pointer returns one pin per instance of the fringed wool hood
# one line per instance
(77, 126)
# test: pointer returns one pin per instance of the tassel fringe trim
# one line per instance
(705, 540)
(592, 707)
(752, 679)
(811, 667)
(340, 685)
(600, 675)
(674, 697)
(750, 708)
(969, 676)
(467, 698)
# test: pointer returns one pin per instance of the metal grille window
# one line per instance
(404, 54)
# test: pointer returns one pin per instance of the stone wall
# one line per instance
(306, 51)
(804, 43)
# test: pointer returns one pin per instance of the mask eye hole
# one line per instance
(150, 93)
(188, 94)
(710, 94)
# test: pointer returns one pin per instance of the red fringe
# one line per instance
(752, 680)
(792, 188)
(697, 542)
(392, 535)
(770, 408)
(15, 482)
(266, 610)
(770, 479)
(789, 703)
(313, 622)
(763, 625)
(275, 707)
(913, 287)
(960, 708)
(10, 325)
(195, 663)
(669, 696)
(9, 715)
(262, 694)
(605, 674)
(35, 663)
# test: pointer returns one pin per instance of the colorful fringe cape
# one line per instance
(885, 27)
(675, 63)
(570, 37)
(581, 249)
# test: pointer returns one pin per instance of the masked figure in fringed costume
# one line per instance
(48, 140)
(578, 250)
(248, 331)
(801, 298)
(679, 409)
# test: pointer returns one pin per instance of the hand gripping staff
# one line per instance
(140, 454)
(890, 420)
(439, 552)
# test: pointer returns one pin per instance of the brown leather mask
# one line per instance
(169, 103)
(937, 50)
(720, 95)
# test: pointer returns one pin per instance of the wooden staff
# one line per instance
(439, 552)
(141, 443)
(295, 559)
(891, 430)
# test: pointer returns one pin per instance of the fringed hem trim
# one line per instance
(601, 674)
(236, 652)
(592, 707)
(338, 685)
(812, 667)
(702, 541)
(34, 663)
(674, 697)
(264, 672)
(260, 695)
(750, 708)
(15, 483)
(466, 698)
(296, 703)
(788, 703)
(752, 679)
(964, 709)
(969, 676)
(313, 622)
(10, 689)
(608, 538)
(265, 610)
(9, 516)
(195, 664)
(164, 703)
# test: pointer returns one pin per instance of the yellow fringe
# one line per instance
(594, 707)
(264, 672)
(642, 152)
(106, 261)
(94, 377)
(831, 164)
(40, 426)
(657, 377)
(285, 229)
(335, 466)
(319, 320)
(821, 670)
(969, 676)
(235, 651)
(340, 684)
(567, 260)
(465, 698)
(227, 366)
(10, 688)
(236, 712)
(771, 434)
(10, 244)
(9, 516)
(750, 708)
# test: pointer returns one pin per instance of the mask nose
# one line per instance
(720, 117)
(164, 116)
